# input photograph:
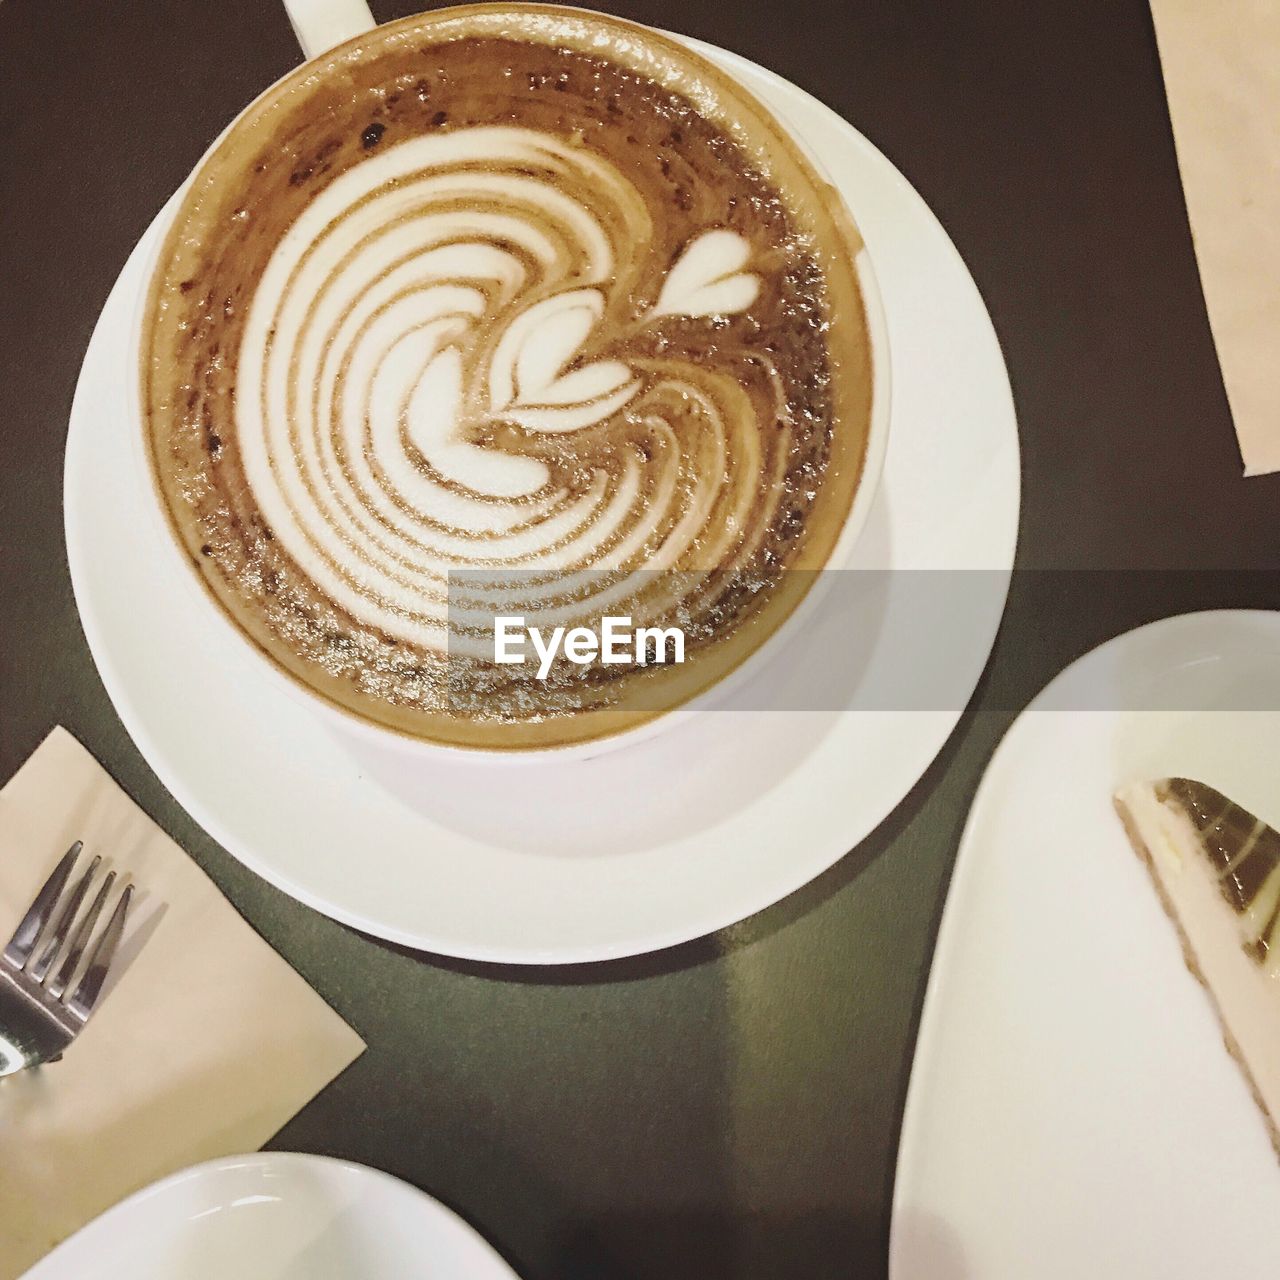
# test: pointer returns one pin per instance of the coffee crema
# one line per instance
(498, 310)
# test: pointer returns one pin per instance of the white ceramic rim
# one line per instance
(51, 1264)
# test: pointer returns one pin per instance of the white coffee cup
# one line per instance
(320, 25)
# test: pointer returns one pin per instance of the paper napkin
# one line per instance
(205, 1041)
(1221, 61)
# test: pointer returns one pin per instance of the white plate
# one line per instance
(649, 846)
(276, 1216)
(1073, 1111)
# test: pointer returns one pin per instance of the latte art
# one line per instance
(421, 388)
(487, 317)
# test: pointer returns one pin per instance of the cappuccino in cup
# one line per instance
(506, 310)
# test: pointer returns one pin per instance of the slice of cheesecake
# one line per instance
(1217, 869)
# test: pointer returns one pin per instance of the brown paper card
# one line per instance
(1221, 61)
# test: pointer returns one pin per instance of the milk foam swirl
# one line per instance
(443, 369)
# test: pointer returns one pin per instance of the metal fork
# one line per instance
(40, 1013)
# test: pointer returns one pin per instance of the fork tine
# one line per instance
(23, 942)
(58, 934)
(75, 948)
(85, 996)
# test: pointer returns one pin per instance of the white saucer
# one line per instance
(276, 1216)
(1073, 1110)
(652, 845)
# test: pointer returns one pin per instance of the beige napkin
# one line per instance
(1221, 61)
(205, 1041)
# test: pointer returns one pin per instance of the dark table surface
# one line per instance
(729, 1108)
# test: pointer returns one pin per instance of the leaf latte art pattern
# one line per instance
(445, 367)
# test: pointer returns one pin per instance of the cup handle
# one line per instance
(322, 24)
